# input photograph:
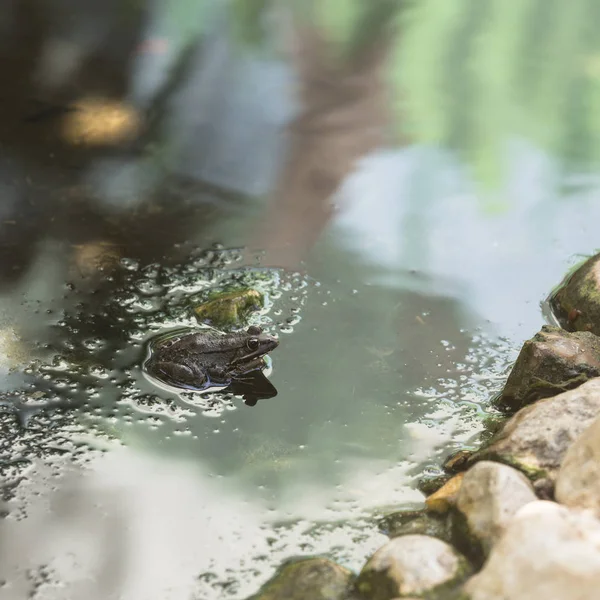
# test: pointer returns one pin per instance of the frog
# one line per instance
(208, 358)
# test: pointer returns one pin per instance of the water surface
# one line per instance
(399, 312)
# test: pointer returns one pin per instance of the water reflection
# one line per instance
(122, 525)
(134, 134)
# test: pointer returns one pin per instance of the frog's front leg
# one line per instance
(177, 374)
(253, 365)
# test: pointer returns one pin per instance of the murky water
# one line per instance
(399, 309)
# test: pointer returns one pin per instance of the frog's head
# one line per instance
(255, 343)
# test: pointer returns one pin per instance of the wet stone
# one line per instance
(544, 488)
(490, 495)
(431, 484)
(412, 565)
(442, 500)
(547, 551)
(536, 439)
(415, 522)
(578, 482)
(307, 579)
(551, 362)
(576, 304)
(458, 461)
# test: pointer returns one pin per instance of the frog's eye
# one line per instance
(252, 344)
(254, 330)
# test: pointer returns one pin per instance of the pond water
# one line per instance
(399, 311)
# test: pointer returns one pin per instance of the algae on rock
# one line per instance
(229, 309)
(307, 579)
(416, 522)
(412, 565)
(490, 495)
(576, 303)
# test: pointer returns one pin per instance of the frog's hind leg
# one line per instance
(179, 375)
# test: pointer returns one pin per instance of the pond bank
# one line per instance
(519, 517)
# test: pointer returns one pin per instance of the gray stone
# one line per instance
(536, 439)
(412, 565)
(548, 552)
(307, 579)
(489, 497)
(551, 362)
(578, 482)
(576, 304)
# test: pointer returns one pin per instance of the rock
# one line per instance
(412, 522)
(307, 579)
(578, 481)
(576, 303)
(229, 309)
(415, 565)
(551, 362)
(445, 497)
(458, 461)
(544, 488)
(547, 551)
(492, 424)
(489, 497)
(536, 439)
(428, 484)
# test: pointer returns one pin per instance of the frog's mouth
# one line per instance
(267, 344)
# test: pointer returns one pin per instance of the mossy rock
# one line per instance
(429, 484)
(535, 439)
(576, 302)
(463, 540)
(551, 362)
(413, 522)
(412, 566)
(312, 578)
(458, 461)
(230, 309)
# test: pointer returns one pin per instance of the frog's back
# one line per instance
(209, 341)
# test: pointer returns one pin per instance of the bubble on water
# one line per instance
(130, 264)
(460, 402)
(98, 371)
(92, 344)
